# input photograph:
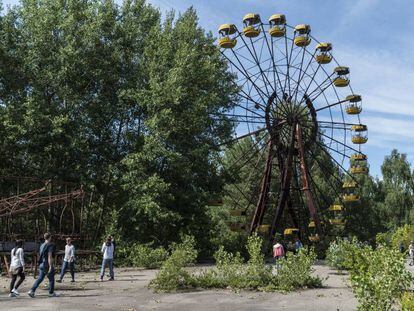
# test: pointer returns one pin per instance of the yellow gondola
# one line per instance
(227, 38)
(354, 105)
(342, 76)
(302, 37)
(277, 25)
(290, 231)
(252, 24)
(361, 134)
(359, 169)
(359, 157)
(218, 202)
(337, 217)
(323, 53)
(349, 185)
(351, 198)
(313, 236)
(237, 212)
(263, 229)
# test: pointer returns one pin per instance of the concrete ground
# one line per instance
(129, 292)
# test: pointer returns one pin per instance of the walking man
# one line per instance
(69, 260)
(46, 266)
(108, 258)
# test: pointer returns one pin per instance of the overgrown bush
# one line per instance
(296, 271)
(145, 256)
(407, 301)
(339, 253)
(402, 235)
(232, 272)
(378, 277)
(172, 274)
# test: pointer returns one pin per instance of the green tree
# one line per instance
(171, 179)
(398, 188)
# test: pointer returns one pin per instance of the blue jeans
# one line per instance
(111, 267)
(65, 267)
(42, 273)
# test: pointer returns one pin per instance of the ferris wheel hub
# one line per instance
(284, 114)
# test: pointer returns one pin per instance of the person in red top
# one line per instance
(278, 252)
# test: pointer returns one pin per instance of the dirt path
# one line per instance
(129, 291)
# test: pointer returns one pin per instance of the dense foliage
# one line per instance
(172, 274)
(378, 276)
(232, 271)
(141, 255)
(126, 103)
(120, 100)
(340, 252)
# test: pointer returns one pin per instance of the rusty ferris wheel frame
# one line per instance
(292, 106)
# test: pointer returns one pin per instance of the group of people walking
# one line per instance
(47, 264)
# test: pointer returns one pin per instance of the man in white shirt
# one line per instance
(69, 260)
(108, 258)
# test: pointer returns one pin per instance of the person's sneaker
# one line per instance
(14, 291)
(31, 294)
(59, 281)
(12, 295)
(111, 279)
(101, 279)
(54, 295)
(72, 281)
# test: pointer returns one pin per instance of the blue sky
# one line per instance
(373, 37)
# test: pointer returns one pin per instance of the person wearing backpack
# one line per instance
(46, 266)
(17, 268)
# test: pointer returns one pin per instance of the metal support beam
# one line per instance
(305, 180)
(284, 193)
(264, 194)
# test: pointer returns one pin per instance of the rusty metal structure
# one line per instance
(30, 206)
(294, 103)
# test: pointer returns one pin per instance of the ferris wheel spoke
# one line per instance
(230, 195)
(247, 109)
(272, 56)
(256, 151)
(255, 57)
(337, 141)
(288, 59)
(339, 164)
(245, 74)
(232, 115)
(248, 97)
(323, 167)
(337, 123)
(331, 105)
(256, 165)
(321, 87)
(302, 74)
(322, 145)
(322, 195)
(241, 137)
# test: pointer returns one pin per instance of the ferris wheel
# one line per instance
(294, 101)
